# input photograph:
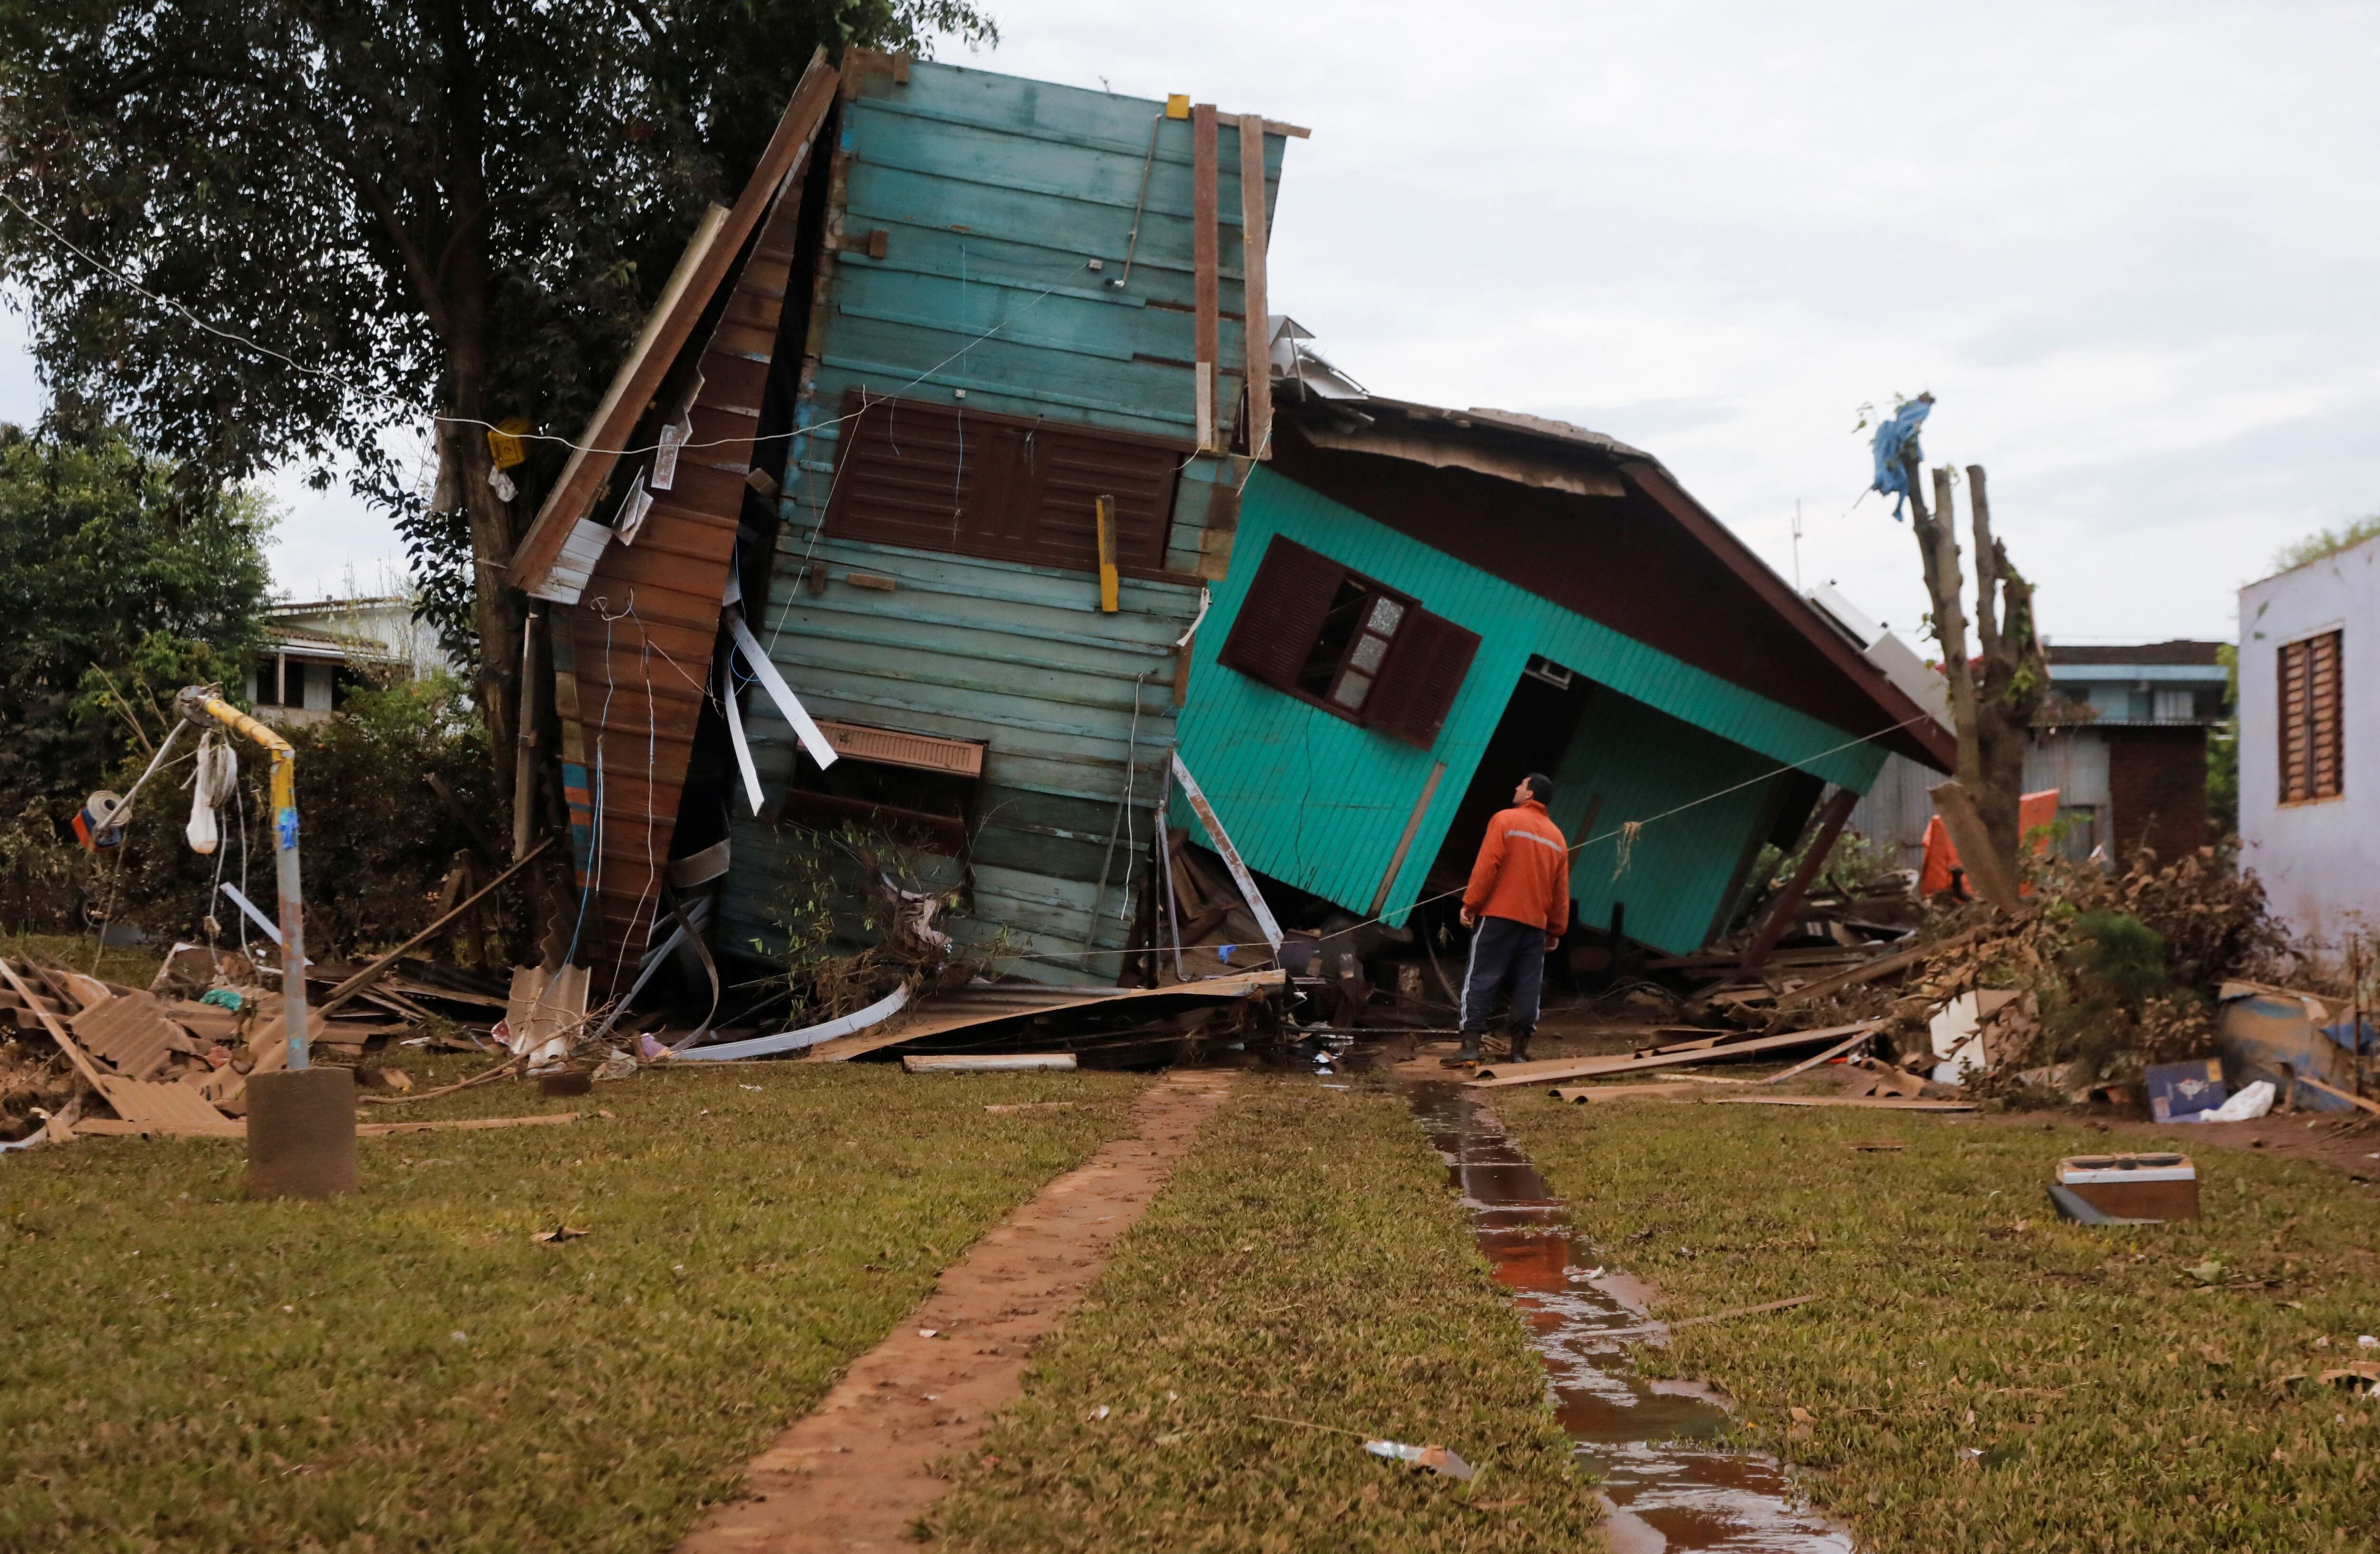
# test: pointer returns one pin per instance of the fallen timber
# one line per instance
(1500, 1075)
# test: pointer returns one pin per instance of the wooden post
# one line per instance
(1985, 869)
(2355, 1004)
(1257, 324)
(1103, 516)
(1830, 826)
(1207, 350)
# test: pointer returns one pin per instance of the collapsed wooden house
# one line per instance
(898, 518)
(1424, 605)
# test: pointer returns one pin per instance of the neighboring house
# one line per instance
(959, 379)
(315, 653)
(1425, 604)
(2122, 740)
(2131, 772)
(2309, 762)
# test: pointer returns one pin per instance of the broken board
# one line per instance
(1497, 1075)
(979, 1006)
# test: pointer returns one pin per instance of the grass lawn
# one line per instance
(1306, 1262)
(2116, 1400)
(407, 1369)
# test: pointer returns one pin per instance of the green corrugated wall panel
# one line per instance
(1318, 802)
(1680, 871)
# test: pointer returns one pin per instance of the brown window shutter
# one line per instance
(2312, 754)
(1283, 614)
(1069, 471)
(2324, 711)
(1421, 678)
(2291, 663)
(935, 478)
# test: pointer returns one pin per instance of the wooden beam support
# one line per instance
(1781, 916)
(1202, 244)
(1257, 324)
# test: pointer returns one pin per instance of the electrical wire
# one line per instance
(440, 417)
(1626, 827)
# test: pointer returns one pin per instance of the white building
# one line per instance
(2309, 762)
(316, 651)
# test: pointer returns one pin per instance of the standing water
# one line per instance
(1668, 1484)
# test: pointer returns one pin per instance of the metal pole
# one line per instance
(195, 705)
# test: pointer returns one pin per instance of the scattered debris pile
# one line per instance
(175, 1058)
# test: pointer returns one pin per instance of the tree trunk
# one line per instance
(1937, 549)
(2015, 677)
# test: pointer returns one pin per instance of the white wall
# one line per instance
(2320, 861)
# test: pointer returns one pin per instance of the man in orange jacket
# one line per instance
(1517, 907)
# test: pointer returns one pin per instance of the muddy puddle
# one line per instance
(1669, 1485)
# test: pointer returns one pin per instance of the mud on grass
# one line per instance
(1980, 1375)
(408, 1369)
(1307, 1262)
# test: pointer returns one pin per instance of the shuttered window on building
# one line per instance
(1320, 631)
(941, 477)
(2312, 754)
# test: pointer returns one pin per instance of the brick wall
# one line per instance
(2157, 786)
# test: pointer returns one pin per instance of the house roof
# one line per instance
(2175, 652)
(1602, 528)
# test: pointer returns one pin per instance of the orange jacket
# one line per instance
(1523, 871)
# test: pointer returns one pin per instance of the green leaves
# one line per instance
(122, 571)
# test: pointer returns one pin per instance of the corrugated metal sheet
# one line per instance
(994, 195)
(1894, 812)
(1320, 803)
(1629, 761)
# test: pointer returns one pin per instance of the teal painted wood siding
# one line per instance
(995, 193)
(1318, 802)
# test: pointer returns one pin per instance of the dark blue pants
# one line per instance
(1503, 953)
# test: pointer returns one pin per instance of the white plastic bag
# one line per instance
(2249, 1104)
(217, 773)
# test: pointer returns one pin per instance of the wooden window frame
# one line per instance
(1386, 706)
(1374, 593)
(2303, 743)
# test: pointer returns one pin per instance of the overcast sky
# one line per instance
(2130, 249)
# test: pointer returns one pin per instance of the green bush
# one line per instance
(375, 841)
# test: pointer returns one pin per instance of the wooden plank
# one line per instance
(1826, 986)
(225, 1127)
(1582, 1095)
(700, 274)
(936, 1017)
(1781, 916)
(2311, 1082)
(1206, 349)
(466, 1124)
(1405, 842)
(1257, 332)
(1876, 1103)
(992, 1063)
(1103, 519)
(1837, 1050)
(1501, 1076)
(1985, 869)
(372, 973)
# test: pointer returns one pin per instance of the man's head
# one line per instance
(1536, 786)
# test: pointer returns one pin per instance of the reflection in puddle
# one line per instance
(1669, 1485)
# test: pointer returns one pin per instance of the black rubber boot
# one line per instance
(1469, 1053)
(1520, 1046)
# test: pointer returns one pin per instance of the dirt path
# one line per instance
(853, 1476)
